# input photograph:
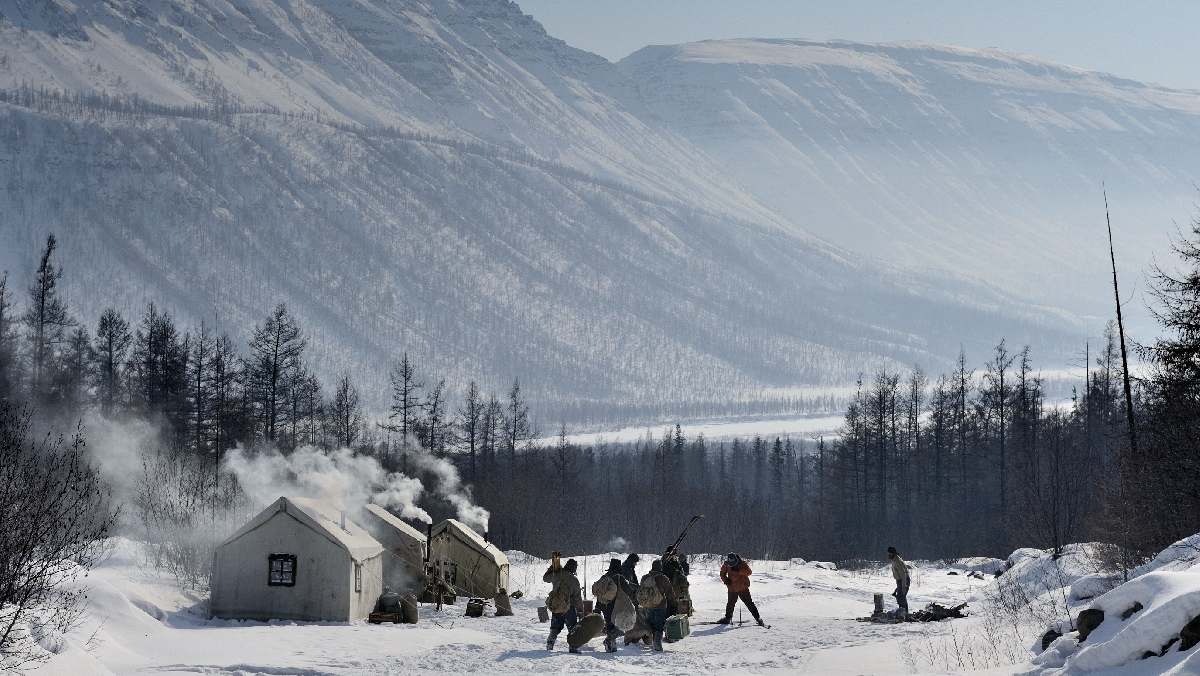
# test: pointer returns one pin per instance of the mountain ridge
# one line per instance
(607, 263)
(941, 156)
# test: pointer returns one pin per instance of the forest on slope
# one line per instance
(529, 219)
(967, 463)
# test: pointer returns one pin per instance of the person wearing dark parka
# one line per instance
(565, 601)
(656, 614)
(629, 568)
(606, 590)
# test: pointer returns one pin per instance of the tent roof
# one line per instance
(321, 517)
(476, 540)
(395, 522)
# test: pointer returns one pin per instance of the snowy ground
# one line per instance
(139, 622)
(801, 428)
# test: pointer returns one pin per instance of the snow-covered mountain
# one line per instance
(443, 178)
(979, 161)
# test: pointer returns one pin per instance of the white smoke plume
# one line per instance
(118, 448)
(339, 477)
(450, 487)
(617, 544)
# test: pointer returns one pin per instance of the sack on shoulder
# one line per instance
(624, 614)
(604, 589)
(648, 594)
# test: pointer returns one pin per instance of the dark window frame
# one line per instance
(283, 580)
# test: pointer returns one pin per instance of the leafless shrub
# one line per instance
(185, 509)
(54, 514)
(1017, 609)
(990, 643)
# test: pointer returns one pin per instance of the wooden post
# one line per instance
(1133, 452)
(878, 604)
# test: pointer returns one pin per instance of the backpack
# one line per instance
(604, 589)
(681, 586)
(559, 600)
(648, 595)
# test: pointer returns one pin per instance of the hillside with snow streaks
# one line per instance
(443, 178)
(462, 69)
(977, 161)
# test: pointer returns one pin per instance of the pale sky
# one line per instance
(1155, 41)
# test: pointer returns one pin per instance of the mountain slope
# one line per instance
(462, 69)
(440, 178)
(978, 161)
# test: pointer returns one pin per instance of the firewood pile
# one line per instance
(934, 612)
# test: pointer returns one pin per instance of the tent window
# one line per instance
(282, 570)
(358, 577)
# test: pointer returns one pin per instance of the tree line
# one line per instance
(973, 462)
(967, 463)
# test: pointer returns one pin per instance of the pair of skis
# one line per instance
(739, 623)
(736, 624)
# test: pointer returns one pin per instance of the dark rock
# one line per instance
(1087, 621)
(1190, 634)
(1132, 609)
(952, 573)
(1147, 655)
(1167, 647)
(1049, 637)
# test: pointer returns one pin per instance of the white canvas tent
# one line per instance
(474, 566)
(299, 559)
(404, 555)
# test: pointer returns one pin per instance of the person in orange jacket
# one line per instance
(735, 573)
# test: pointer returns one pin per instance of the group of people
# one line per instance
(654, 597)
(657, 595)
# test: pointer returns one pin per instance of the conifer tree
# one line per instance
(492, 430)
(517, 428)
(109, 349)
(9, 365)
(996, 399)
(434, 424)
(405, 404)
(46, 321)
(276, 351)
(228, 404)
(345, 413)
(73, 374)
(158, 368)
(468, 424)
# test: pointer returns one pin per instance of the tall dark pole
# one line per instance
(1121, 330)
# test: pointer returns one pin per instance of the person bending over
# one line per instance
(735, 573)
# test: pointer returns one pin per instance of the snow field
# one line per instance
(139, 622)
